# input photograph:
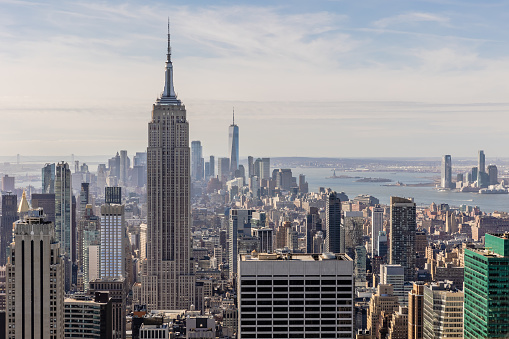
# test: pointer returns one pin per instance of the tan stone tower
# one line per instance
(168, 279)
(35, 288)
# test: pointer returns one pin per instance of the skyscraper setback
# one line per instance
(168, 281)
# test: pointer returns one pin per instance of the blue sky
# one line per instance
(307, 78)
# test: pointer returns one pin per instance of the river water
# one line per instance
(317, 177)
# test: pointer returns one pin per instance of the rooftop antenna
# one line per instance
(233, 115)
(169, 46)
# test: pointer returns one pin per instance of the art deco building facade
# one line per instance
(35, 287)
(168, 280)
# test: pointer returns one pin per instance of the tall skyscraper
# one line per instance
(8, 183)
(377, 223)
(124, 167)
(333, 224)
(416, 312)
(196, 160)
(9, 216)
(223, 169)
(482, 161)
(212, 166)
(35, 306)
(169, 279)
(113, 241)
(63, 217)
(239, 227)
(48, 178)
(250, 166)
(233, 145)
(446, 178)
(113, 195)
(402, 235)
(493, 174)
(265, 168)
(443, 316)
(84, 197)
(89, 228)
(46, 201)
(485, 286)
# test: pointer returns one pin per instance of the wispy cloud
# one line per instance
(411, 18)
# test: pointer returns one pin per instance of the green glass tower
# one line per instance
(487, 289)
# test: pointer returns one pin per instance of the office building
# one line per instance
(7, 183)
(416, 312)
(250, 166)
(233, 145)
(258, 168)
(9, 216)
(295, 296)
(223, 169)
(63, 217)
(443, 311)
(82, 319)
(113, 242)
(493, 174)
(485, 287)
(89, 228)
(446, 177)
(196, 160)
(481, 162)
(48, 178)
(402, 235)
(84, 197)
(382, 301)
(333, 223)
(35, 303)
(377, 224)
(265, 168)
(474, 174)
(353, 224)
(46, 201)
(124, 168)
(394, 275)
(212, 166)
(398, 326)
(382, 246)
(116, 291)
(168, 280)
(113, 195)
(265, 237)
(239, 227)
(360, 266)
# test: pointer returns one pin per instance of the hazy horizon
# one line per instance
(329, 78)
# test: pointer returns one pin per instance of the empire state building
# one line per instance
(167, 278)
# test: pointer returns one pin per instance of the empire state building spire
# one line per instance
(168, 97)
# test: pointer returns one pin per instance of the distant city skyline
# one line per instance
(78, 75)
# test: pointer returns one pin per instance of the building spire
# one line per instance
(168, 55)
(168, 96)
(233, 116)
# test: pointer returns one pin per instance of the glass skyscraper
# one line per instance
(233, 146)
(486, 289)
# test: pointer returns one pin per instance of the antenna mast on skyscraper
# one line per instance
(233, 116)
(169, 45)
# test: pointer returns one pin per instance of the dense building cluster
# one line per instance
(169, 245)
